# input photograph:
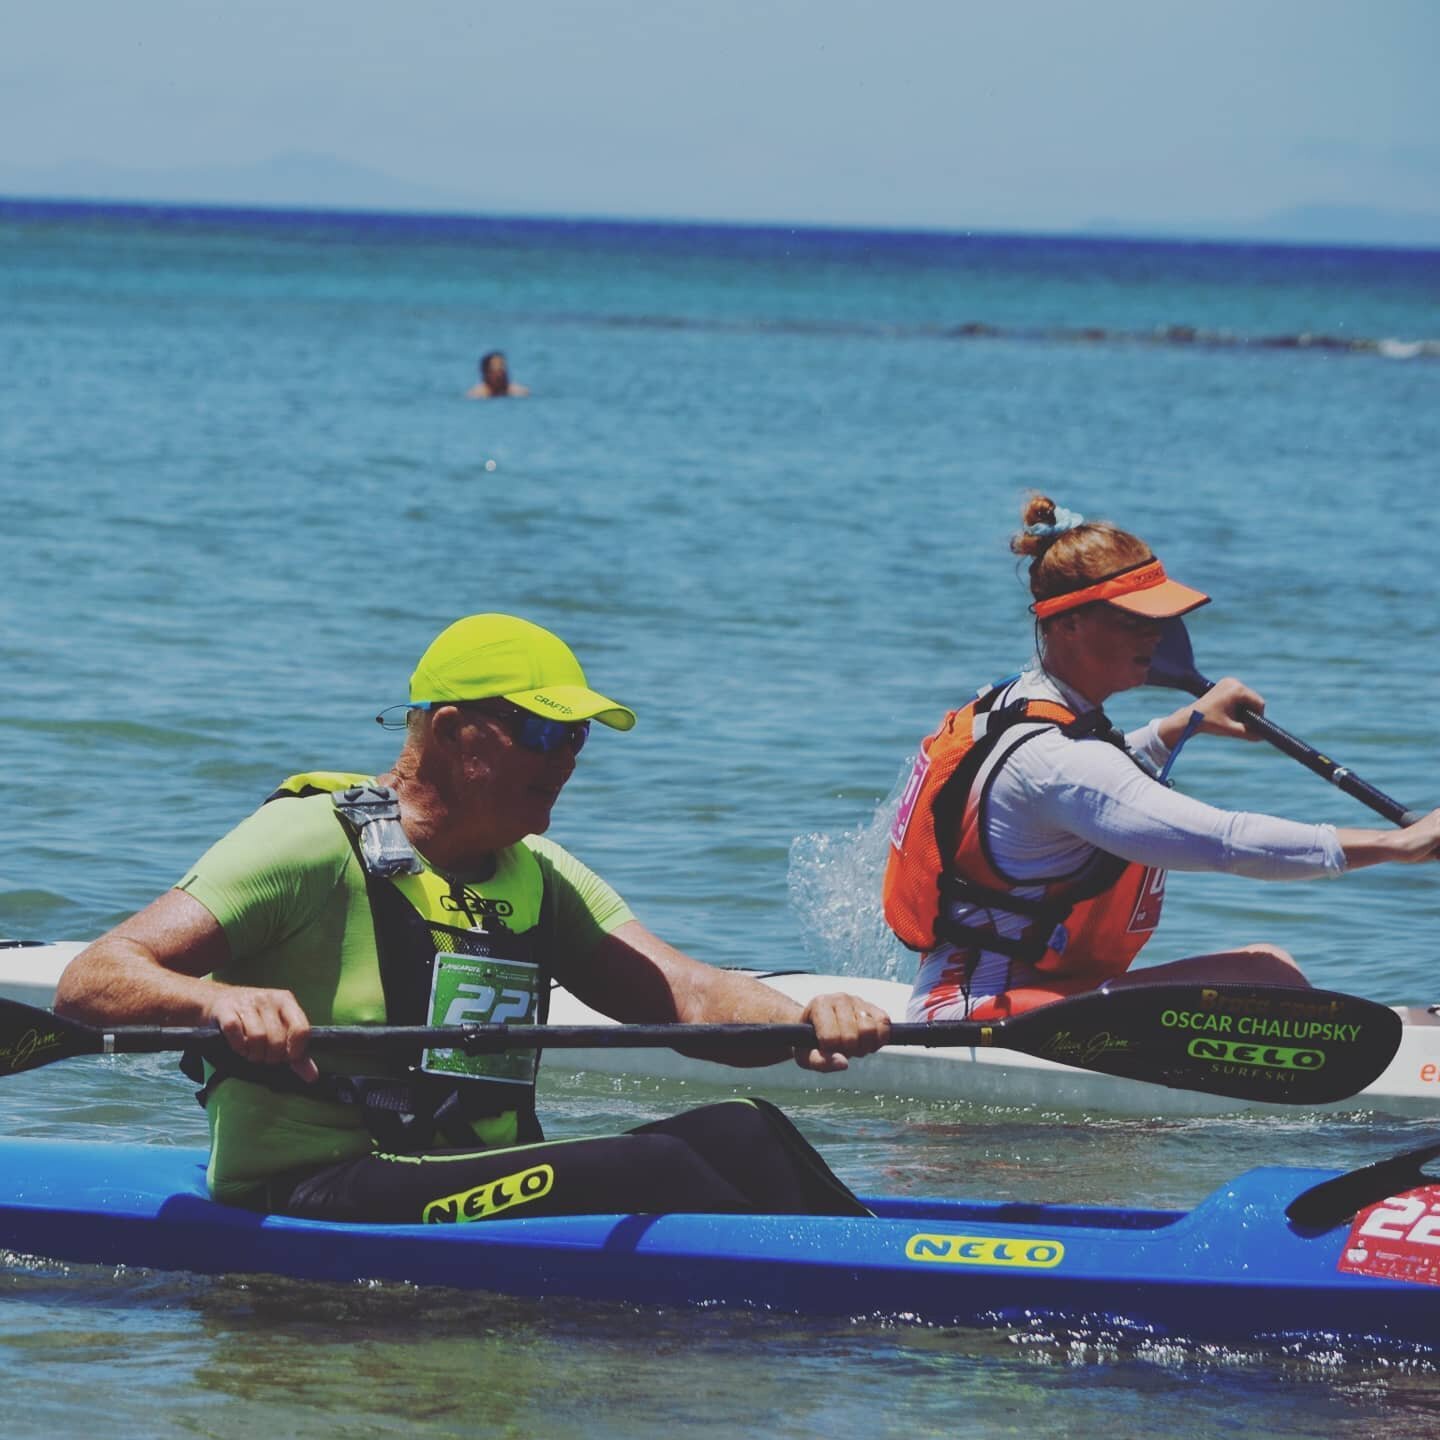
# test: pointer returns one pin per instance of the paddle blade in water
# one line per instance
(1276, 1044)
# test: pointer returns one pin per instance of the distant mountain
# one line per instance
(296, 179)
(1301, 225)
(305, 181)
(1354, 225)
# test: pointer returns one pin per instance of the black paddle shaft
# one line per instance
(1272, 1044)
(1333, 1202)
(1174, 668)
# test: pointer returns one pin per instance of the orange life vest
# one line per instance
(941, 884)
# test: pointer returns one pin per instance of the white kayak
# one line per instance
(1004, 1079)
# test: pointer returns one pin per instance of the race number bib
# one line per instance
(483, 990)
(1398, 1238)
(1146, 914)
(906, 809)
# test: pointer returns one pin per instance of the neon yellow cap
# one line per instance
(486, 655)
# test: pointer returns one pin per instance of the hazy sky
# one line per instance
(1009, 114)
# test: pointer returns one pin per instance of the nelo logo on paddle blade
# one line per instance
(1260, 1057)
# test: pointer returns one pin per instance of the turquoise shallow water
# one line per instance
(763, 486)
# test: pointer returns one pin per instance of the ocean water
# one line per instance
(763, 486)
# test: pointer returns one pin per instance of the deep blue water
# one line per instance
(763, 486)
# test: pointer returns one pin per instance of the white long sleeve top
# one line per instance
(1053, 800)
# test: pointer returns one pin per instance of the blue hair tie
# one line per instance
(1064, 520)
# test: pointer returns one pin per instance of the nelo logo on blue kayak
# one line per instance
(984, 1250)
(491, 1198)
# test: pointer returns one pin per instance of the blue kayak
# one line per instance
(1231, 1269)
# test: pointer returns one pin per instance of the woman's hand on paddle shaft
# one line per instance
(1220, 706)
(1420, 841)
(1411, 846)
(267, 1027)
(844, 1025)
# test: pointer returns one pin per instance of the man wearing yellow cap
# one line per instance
(427, 896)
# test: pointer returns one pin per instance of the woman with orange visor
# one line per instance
(1029, 852)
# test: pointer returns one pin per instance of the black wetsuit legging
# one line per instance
(735, 1156)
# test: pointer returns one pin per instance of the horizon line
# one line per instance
(1096, 234)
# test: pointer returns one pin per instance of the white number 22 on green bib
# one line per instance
(483, 990)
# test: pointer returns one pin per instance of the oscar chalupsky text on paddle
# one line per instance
(1029, 852)
(427, 896)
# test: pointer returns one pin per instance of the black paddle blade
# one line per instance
(30, 1038)
(1271, 1043)
(1173, 665)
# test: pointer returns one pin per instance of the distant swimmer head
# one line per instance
(1076, 562)
(495, 372)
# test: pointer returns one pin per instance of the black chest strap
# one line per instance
(406, 1110)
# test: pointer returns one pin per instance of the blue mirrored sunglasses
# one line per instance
(537, 733)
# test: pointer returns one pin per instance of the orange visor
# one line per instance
(1143, 589)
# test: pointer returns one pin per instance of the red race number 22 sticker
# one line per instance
(1398, 1239)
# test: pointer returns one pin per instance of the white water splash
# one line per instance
(834, 883)
(1407, 349)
